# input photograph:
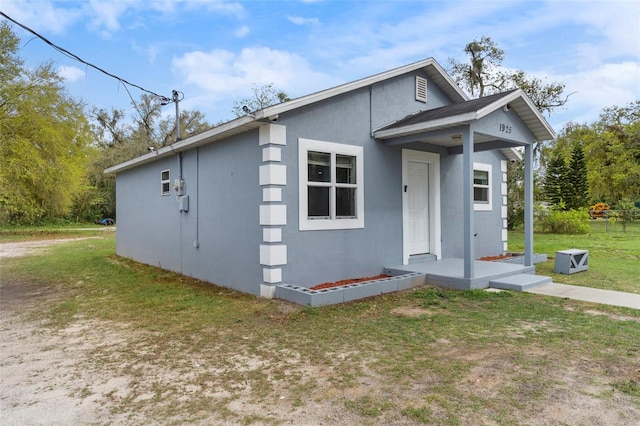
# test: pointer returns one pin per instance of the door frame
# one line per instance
(435, 240)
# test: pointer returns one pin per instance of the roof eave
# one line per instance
(227, 129)
(451, 121)
(542, 132)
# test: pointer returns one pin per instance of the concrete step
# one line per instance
(421, 258)
(520, 282)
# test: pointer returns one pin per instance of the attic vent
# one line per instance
(421, 89)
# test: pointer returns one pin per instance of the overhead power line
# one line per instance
(77, 58)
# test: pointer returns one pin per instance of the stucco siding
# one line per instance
(148, 223)
(487, 224)
(329, 255)
(394, 99)
(217, 240)
(222, 183)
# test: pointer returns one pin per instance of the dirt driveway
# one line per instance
(104, 373)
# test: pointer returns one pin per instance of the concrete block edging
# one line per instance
(346, 293)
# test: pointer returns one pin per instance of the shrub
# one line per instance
(564, 222)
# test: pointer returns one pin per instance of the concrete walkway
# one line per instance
(587, 294)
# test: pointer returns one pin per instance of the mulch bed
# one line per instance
(348, 281)
(492, 258)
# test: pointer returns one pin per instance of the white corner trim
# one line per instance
(272, 275)
(275, 134)
(272, 235)
(503, 188)
(273, 214)
(503, 166)
(505, 235)
(271, 194)
(273, 255)
(267, 291)
(271, 154)
(273, 174)
(504, 212)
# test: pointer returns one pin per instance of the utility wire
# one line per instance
(77, 58)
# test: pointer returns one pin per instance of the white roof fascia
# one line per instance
(425, 126)
(483, 112)
(511, 154)
(450, 80)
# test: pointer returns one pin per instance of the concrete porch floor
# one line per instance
(449, 273)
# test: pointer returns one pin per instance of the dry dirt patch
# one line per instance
(25, 248)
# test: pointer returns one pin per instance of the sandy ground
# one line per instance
(81, 375)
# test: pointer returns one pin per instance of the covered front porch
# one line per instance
(508, 122)
(449, 273)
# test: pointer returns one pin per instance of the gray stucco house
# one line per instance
(398, 169)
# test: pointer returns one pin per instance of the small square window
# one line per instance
(482, 186)
(165, 182)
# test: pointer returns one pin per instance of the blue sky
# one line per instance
(214, 50)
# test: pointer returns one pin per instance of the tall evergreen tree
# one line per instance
(556, 184)
(578, 196)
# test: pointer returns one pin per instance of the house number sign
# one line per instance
(504, 128)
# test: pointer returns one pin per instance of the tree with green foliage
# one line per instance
(612, 152)
(578, 196)
(483, 75)
(120, 138)
(556, 183)
(263, 97)
(45, 139)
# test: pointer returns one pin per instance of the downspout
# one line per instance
(180, 194)
(196, 243)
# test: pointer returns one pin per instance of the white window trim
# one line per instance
(167, 181)
(484, 206)
(306, 224)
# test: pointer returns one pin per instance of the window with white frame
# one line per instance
(331, 185)
(481, 186)
(165, 182)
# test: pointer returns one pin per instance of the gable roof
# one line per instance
(433, 69)
(464, 112)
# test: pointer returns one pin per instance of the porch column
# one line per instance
(467, 205)
(528, 205)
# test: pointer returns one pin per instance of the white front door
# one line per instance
(421, 231)
(418, 202)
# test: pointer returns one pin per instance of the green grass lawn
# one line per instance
(427, 356)
(614, 256)
(66, 230)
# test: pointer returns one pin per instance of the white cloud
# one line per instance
(106, 15)
(41, 16)
(242, 31)
(217, 6)
(71, 73)
(298, 20)
(613, 84)
(224, 76)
